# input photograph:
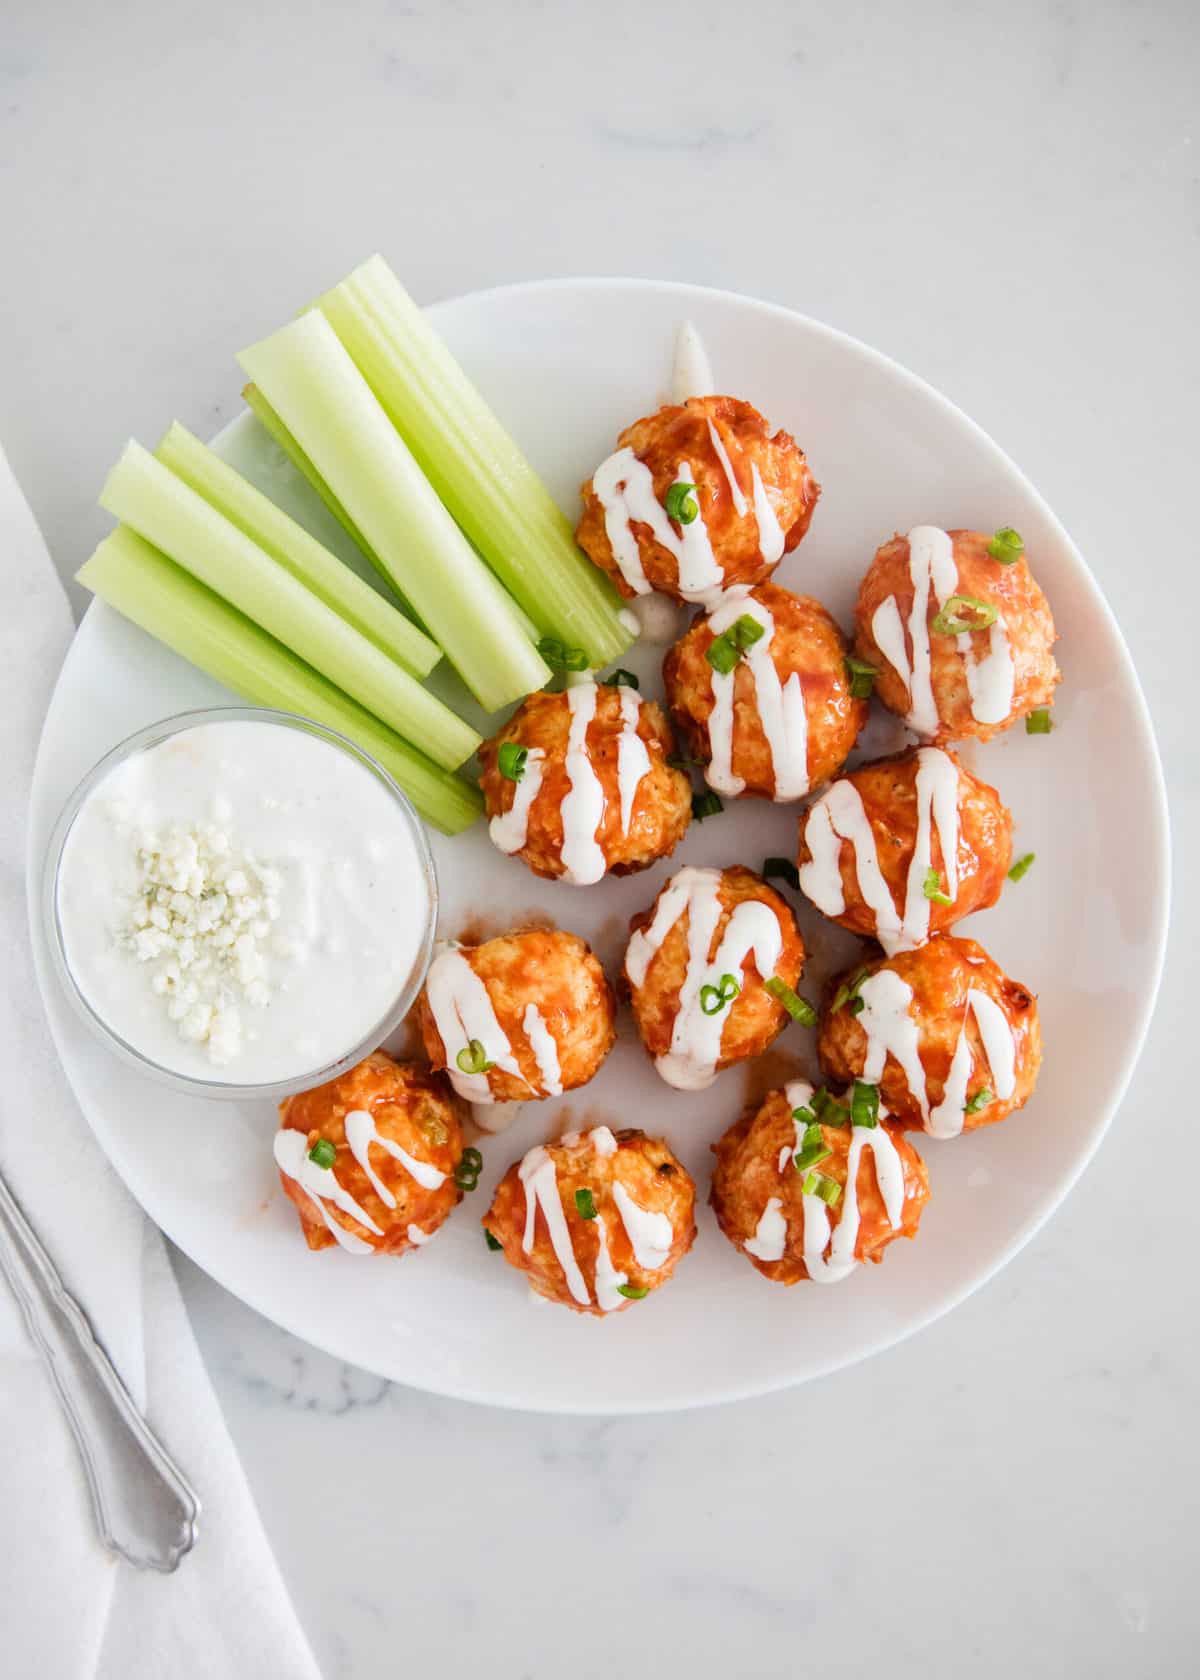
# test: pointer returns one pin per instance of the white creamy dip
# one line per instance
(242, 902)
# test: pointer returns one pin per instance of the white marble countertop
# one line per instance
(1006, 200)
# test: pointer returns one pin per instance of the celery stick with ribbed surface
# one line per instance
(168, 603)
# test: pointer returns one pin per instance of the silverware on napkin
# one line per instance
(145, 1509)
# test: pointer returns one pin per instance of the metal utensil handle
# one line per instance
(145, 1508)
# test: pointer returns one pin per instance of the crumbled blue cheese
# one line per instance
(202, 912)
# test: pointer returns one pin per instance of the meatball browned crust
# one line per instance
(612, 1217)
(661, 806)
(364, 1115)
(679, 434)
(758, 1191)
(1021, 607)
(897, 799)
(552, 1007)
(804, 646)
(921, 1068)
(699, 1010)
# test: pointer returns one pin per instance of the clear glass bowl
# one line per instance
(305, 1078)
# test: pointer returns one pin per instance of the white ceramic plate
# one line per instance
(567, 364)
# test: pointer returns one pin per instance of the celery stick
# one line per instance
(168, 513)
(473, 463)
(312, 384)
(290, 544)
(169, 604)
(275, 428)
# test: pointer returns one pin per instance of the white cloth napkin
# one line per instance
(69, 1609)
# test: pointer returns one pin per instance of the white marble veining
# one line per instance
(165, 179)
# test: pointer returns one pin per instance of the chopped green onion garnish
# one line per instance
(681, 761)
(466, 1173)
(862, 676)
(804, 1114)
(782, 869)
(932, 888)
(562, 658)
(828, 1110)
(323, 1153)
(1039, 722)
(620, 678)
(680, 502)
(472, 1160)
(1022, 866)
(1006, 546)
(714, 998)
(632, 1291)
(847, 993)
(585, 1204)
(706, 805)
(864, 1104)
(829, 1190)
(797, 1007)
(490, 1240)
(813, 1148)
(511, 760)
(857, 1005)
(473, 1058)
(724, 651)
(962, 613)
(980, 1100)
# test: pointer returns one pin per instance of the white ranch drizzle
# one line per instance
(319, 1184)
(462, 1010)
(509, 830)
(650, 1234)
(545, 1050)
(583, 803)
(736, 493)
(839, 816)
(624, 486)
(361, 1133)
(990, 680)
(891, 1030)
(540, 1179)
(691, 371)
(416, 1236)
(769, 1241)
(780, 707)
(753, 928)
(633, 759)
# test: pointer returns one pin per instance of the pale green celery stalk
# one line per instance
(147, 496)
(473, 463)
(257, 517)
(275, 429)
(168, 603)
(311, 382)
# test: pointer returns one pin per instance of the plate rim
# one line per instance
(1158, 824)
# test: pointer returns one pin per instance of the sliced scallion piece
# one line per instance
(813, 1149)
(981, 1099)
(1022, 866)
(1039, 722)
(847, 992)
(680, 502)
(706, 805)
(323, 1153)
(561, 658)
(585, 1204)
(510, 760)
(714, 998)
(818, 1184)
(864, 1104)
(492, 1243)
(621, 678)
(632, 1291)
(781, 869)
(932, 888)
(473, 1058)
(725, 650)
(828, 1110)
(797, 1007)
(862, 677)
(962, 613)
(1006, 546)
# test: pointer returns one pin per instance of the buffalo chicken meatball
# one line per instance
(951, 1042)
(959, 632)
(808, 1195)
(761, 694)
(698, 967)
(370, 1159)
(578, 785)
(524, 1016)
(904, 847)
(596, 1220)
(697, 498)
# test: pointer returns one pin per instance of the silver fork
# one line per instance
(145, 1508)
